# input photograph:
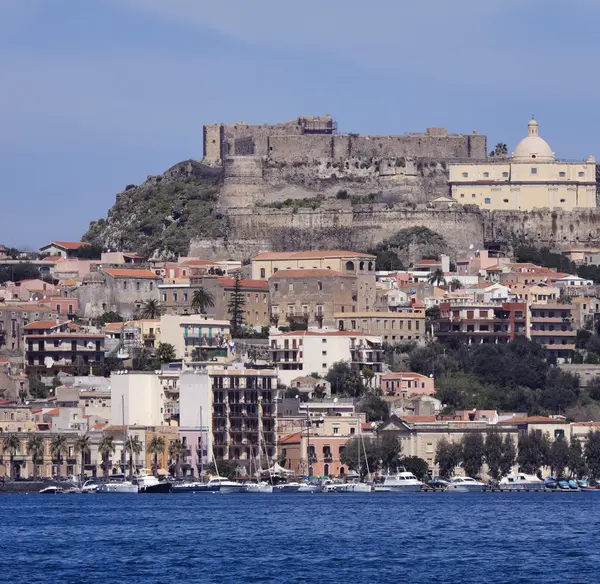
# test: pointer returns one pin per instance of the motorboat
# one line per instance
(563, 485)
(190, 487)
(437, 484)
(465, 485)
(287, 487)
(52, 490)
(573, 485)
(521, 482)
(402, 482)
(90, 486)
(257, 487)
(148, 483)
(118, 487)
(381, 489)
(355, 487)
(550, 483)
(225, 486)
(308, 488)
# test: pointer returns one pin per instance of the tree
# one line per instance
(79, 367)
(368, 375)
(473, 453)
(11, 444)
(151, 309)
(390, 450)
(436, 278)
(493, 454)
(577, 464)
(455, 284)
(509, 454)
(58, 448)
(448, 455)
(199, 354)
(224, 468)
(177, 452)
(82, 445)
(236, 306)
(201, 300)
(533, 452)
(105, 449)
(141, 359)
(592, 453)
(18, 272)
(155, 447)
(344, 381)
(558, 456)
(90, 252)
(35, 447)
(417, 466)
(166, 352)
(500, 150)
(36, 388)
(364, 448)
(133, 447)
(110, 316)
(375, 408)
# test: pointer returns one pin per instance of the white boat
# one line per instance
(402, 482)
(465, 485)
(355, 487)
(118, 487)
(287, 488)
(90, 486)
(381, 489)
(309, 488)
(257, 487)
(329, 486)
(51, 491)
(224, 485)
(521, 482)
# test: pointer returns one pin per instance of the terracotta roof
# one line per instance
(417, 419)
(325, 333)
(532, 420)
(67, 244)
(308, 380)
(312, 273)
(462, 261)
(98, 426)
(428, 263)
(66, 335)
(53, 412)
(43, 325)
(403, 375)
(481, 286)
(129, 273)
(225, 281)
(198, 263)
(291, 438)
(306, 255)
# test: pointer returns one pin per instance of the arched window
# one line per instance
(350, 266)
(362, 265)
(326, 470)
(370, 266)
(262, 273)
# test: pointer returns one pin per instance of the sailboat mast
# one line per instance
(259, 428)
(359, 443)
(201, 445)
(124, 435)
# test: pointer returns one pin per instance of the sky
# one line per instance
(98, 94)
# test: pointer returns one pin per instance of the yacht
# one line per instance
(90, 486)
(521, 482)
(257, 487)
(53, 490)
(148, 483)
(287, 487)
(225, 486)
(118, 487)
(309, 488)
(465, 485)
(355, 487)
(402, 482)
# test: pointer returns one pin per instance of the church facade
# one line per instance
(530, 179)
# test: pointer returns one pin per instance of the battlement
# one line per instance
(312, 137)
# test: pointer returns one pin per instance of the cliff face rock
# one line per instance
(159, 217)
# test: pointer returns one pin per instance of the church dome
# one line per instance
(532, 147)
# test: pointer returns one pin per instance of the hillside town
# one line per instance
(110, 360)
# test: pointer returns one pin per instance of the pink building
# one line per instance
(407, 382)
(67, 306)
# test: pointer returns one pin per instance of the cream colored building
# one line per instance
(189, 331)
(530, 179)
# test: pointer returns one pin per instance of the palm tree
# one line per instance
(455, 284)
(132, 446)
(58, 447)
(201, 300)
(177, 452)
(437, 277)
(151, 309)
(106, 448)
(35, 447)
(155, 447)
(11, 444)
(82, 445)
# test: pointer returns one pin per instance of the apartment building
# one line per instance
(482, 323)
(13, 319)
(189, 332)
(407, 383)
(393, 327)
(299, 353)
(311, 296)
(553, 325)
(360, 265)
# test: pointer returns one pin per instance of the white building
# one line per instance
(140, 397)
(190, 331)
(304, 352)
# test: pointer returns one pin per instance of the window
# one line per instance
(256, 299)
(185, 296)
(505, 200)
(473, 196)
(462, 195)
(320, 286)
(534, 170)
(125, 285)
(275, 270)
(324, 353)
(561, 174)
(581, 174)
(486, 175)
(505, 174)
(336, 430)
(137, 285)
(562, 200)
(174, 296)
(487, 201)
(324, 365)
(164, 296)
(262, 273)
(323, 340)
(291, 287)
(276, 286)
(465, 175)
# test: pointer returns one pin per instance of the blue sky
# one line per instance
(97, 94)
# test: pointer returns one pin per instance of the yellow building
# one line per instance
(393, 327)
(530, 179)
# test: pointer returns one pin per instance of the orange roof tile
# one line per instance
(291, 438)
(98, 426)
(42, 325)
(129, 273)
(532, 420)
(428, 263)
(312, 273)
(67, 244)
(66, 335)
(306, 255)
(225, 281)
(198, 263)
(417, 419)
(403, 375)
(53, 412)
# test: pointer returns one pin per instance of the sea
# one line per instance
(288, 538)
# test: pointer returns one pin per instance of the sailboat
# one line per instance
(356, 486)
(259, 486)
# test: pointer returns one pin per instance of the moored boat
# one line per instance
(118, 488)
(257, 487)
(465, 485)
(52, 490)
(402, 482)
(521, 482)
(148, 483)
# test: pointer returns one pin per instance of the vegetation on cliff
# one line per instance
(161, 216)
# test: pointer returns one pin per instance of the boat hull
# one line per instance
(159, 488)
(230, 489)
(465, 488)
(118, 489)
(403, 488)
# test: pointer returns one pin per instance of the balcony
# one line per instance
(328, 458)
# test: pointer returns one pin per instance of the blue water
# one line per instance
(378, 538)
